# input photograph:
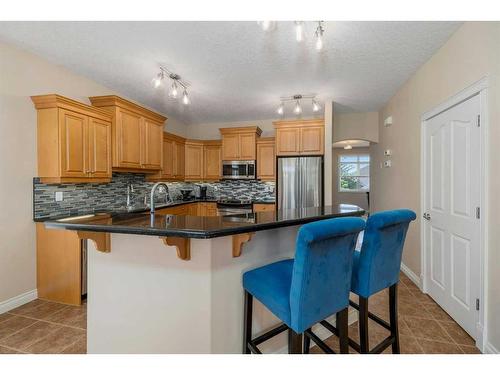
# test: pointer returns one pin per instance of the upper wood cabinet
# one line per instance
(193, 160)
(172, 166)
(73, 139)
(212, 162)
(137, 134)
(239, 143)
(266, 159)
(300, 137)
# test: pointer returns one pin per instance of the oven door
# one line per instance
(234, 170)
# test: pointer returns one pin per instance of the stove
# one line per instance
(234, 206)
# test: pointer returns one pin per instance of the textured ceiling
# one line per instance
(237, 71)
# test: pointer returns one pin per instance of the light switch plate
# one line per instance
(387, 164)
(388, 152)
(59, 196)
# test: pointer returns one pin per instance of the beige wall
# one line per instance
(356, 126)
(472, 53)
(21, 75)
(359, 199)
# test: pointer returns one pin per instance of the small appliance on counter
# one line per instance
(202, 192)
(186, 194)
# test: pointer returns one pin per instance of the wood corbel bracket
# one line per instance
(101, 240)
(238, 241)
(183, 246)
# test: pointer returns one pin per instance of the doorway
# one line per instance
(452, 201)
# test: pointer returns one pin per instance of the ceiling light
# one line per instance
(174, 91)
(281, 109)
(266, 25)
(315, 106)
(319, 36)
(348, 147)
(185, 98)
(299, 31)
(158, 80)
(297, 109)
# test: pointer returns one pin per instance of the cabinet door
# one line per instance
(152, 145)
(99, 148)
(266, 161)
(179, 157)
(194, 162)
(212, 162)
(247, 146)
(263, 207)
(230, 147)
(73, 128)
(312, 140)
(210, 209)
(287, 141)
(128, 140)
(168, 158)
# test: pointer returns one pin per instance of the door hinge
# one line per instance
(478, 213)
(478, 121)
(477, 304)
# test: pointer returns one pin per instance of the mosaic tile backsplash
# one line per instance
(84, 198)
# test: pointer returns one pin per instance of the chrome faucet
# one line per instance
(130, 189)
(153, 190)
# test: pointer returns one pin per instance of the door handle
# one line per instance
(426, 216)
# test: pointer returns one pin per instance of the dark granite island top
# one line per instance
(200, 227)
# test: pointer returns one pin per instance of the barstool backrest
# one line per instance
(380, 258)
(322, 269)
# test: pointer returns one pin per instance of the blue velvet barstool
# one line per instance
(376, 267)
(307, 289)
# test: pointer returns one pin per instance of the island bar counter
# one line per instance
(172, 284)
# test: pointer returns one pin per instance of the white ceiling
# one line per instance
(237, 71)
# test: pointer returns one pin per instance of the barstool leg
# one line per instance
(247, 322)
(307, 343)
(294, 342)
(343, 326)
(363, 325)
(393, 315)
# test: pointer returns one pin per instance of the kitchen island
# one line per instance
(172, 284)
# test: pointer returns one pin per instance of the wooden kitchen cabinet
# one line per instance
(193, 160)
(173, 159)
(300, 137)
(73, 139)
(239, 143)
(266, 159)
(264, 207)
(212, 160)
(137, 135)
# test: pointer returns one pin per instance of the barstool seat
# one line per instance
(271, 286)
(307, 289)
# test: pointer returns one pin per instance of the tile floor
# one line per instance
(48, 327)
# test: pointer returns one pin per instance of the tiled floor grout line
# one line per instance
(46, 321)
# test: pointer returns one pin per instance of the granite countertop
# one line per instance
(143, 223)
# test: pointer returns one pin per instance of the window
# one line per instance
(354, 173)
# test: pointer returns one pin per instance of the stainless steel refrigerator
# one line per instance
(300, 182)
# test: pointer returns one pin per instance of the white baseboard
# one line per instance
(17, 301)
(490, 349)
(411, 275)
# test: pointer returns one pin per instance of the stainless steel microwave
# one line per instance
(238, 170)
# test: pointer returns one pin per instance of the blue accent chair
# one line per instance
(305, 290)
(376, 267)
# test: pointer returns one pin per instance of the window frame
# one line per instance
(339, 175)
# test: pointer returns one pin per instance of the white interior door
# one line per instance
(452, 229)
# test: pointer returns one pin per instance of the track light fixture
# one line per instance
(176, 81)
(299, 31)
(319, 36)
(297, 107)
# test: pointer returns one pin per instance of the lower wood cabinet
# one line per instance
(59, 265)
(263, 207)
(191, 209)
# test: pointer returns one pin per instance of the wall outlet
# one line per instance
(59, 196)
(387, 152)
(388, 121)
(387, 164)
